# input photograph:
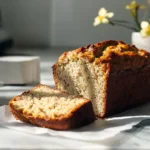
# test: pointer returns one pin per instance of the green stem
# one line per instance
(121, 21)
(123, 25)
(136, 18)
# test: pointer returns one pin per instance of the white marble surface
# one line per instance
(136, 138)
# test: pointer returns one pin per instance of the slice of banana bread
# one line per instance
(114, 75)
(50, 108)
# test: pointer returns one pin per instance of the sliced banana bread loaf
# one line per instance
(114, 75)
(50, 108)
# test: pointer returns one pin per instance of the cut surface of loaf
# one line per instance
(47, 107)
(112, 74)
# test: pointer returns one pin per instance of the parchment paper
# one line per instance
(96, 131)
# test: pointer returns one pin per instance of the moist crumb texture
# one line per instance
(52, 108)
(112, 74)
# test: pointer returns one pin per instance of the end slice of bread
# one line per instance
(50, 108)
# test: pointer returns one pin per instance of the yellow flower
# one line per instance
(134, 5)
(145, 31)
(103, 17)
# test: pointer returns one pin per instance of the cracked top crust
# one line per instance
(116, 55)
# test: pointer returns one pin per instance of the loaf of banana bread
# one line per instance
(50, 108)
(115, 76)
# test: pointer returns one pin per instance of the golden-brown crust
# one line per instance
(127, 89)
(80, 116)
(121, 56)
